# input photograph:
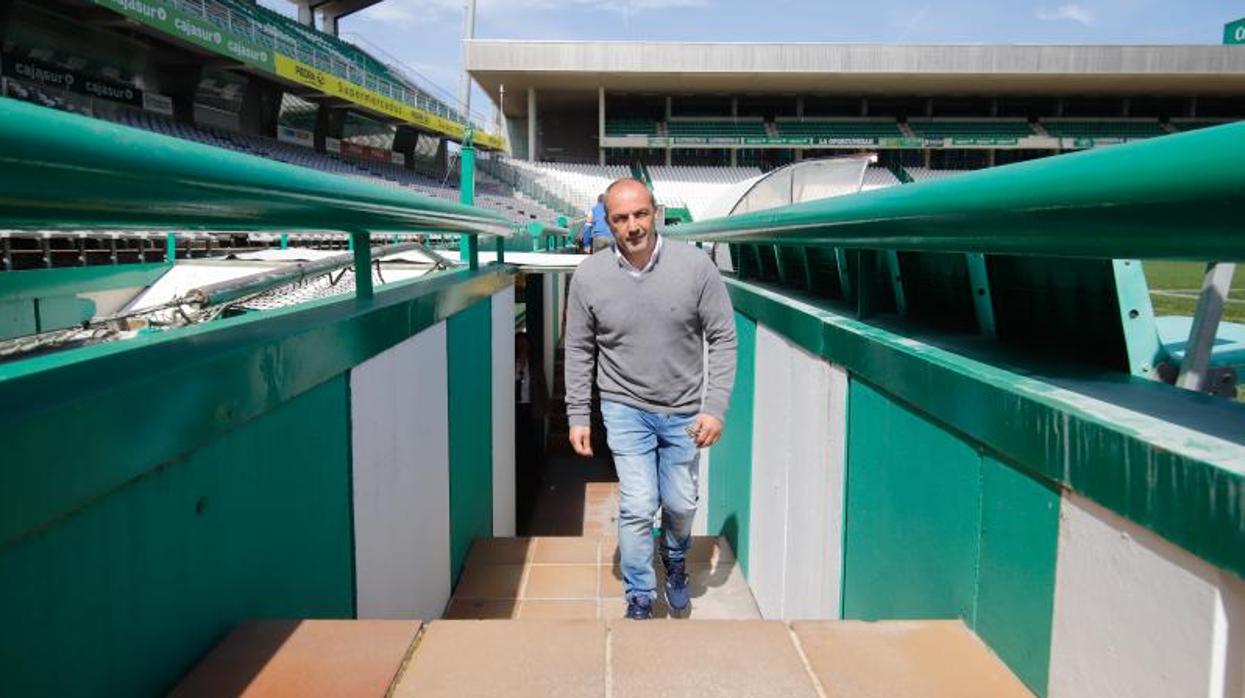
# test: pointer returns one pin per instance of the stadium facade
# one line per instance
(958, 106)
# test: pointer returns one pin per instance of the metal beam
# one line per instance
(1125, 201)
(108, 176)
(1215, 286)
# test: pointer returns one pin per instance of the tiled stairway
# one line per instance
(530, 578)
(615, 658)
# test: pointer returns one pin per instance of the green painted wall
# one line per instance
(934, 529)
(912, 514)
(124, 594)
(1016, 572)
(730, 460)
(471, 429)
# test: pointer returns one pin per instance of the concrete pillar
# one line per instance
(864, 106)
(601, 123)
(330, 24)
(929, 106)
(669, 107)
(531, 124)
(1193, 106)
(329, 122)
(799, 107)
(1126, 106)
(735, 106)
(1059, 106)
(261, 106)
(179, 82)
(994, 106)
(306, 15)
(405, 139)
(734, 157)
(668, 159)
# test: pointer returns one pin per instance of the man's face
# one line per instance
(629, 212)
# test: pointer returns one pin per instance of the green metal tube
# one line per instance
(1175, 197)
(468, 245)
(64, 171)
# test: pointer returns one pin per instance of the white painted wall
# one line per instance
(400, 446)
(799, 429)
(1136, 616)
(503, 412)
(700, 524)
(552, 319)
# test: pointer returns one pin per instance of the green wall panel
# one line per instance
(913, 508)
(1016, 575)
(730, 460)
(471, 430)
(225, 373)
(125, 594)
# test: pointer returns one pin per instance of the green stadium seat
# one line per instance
(973, 128)
(715, 129)
(839, 129)
(1139, 128)
(630, 127)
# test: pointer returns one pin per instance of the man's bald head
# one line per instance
(628, 183)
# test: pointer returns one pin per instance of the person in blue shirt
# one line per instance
(597, 235)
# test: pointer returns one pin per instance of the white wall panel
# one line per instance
(816, 432)
(796, 527)
(552, 319)
(700, 524)
(1137, 616)
(767, 538)
(400, 463)
(503, 412)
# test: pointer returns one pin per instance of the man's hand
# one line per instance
(705, 430)
(581, 440)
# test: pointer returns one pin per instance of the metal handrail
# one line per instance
(1175, 197)
(63, 171)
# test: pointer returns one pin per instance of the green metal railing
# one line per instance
(62, 171)
(1178, 197)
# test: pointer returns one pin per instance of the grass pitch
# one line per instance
(1174, 287)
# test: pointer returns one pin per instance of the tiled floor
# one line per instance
(619, 658)
(579, 577)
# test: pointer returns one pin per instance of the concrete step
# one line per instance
(306, 658)
(580, 577)
(594, 657)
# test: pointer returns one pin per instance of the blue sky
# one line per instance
(425, 34)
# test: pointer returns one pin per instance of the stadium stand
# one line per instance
(324, 51)
(631, 127)
(838, 128)
(576, 184)
(697, 188)
(926, 174)
(1194, 124)
(1085, 128)
(877, 177)
(970, 128)
(709, 128)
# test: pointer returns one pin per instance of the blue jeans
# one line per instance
(657, 463)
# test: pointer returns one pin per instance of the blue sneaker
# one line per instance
(639, 607)
(677, 593)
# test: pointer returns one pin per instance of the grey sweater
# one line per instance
(645, 334)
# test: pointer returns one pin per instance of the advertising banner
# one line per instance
(160, 104)
(365, 152)
(41, 73)
(166, 18)
(333, 145)
(297, 136)
(1234, 32)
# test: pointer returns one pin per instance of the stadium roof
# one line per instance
(751, 68)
